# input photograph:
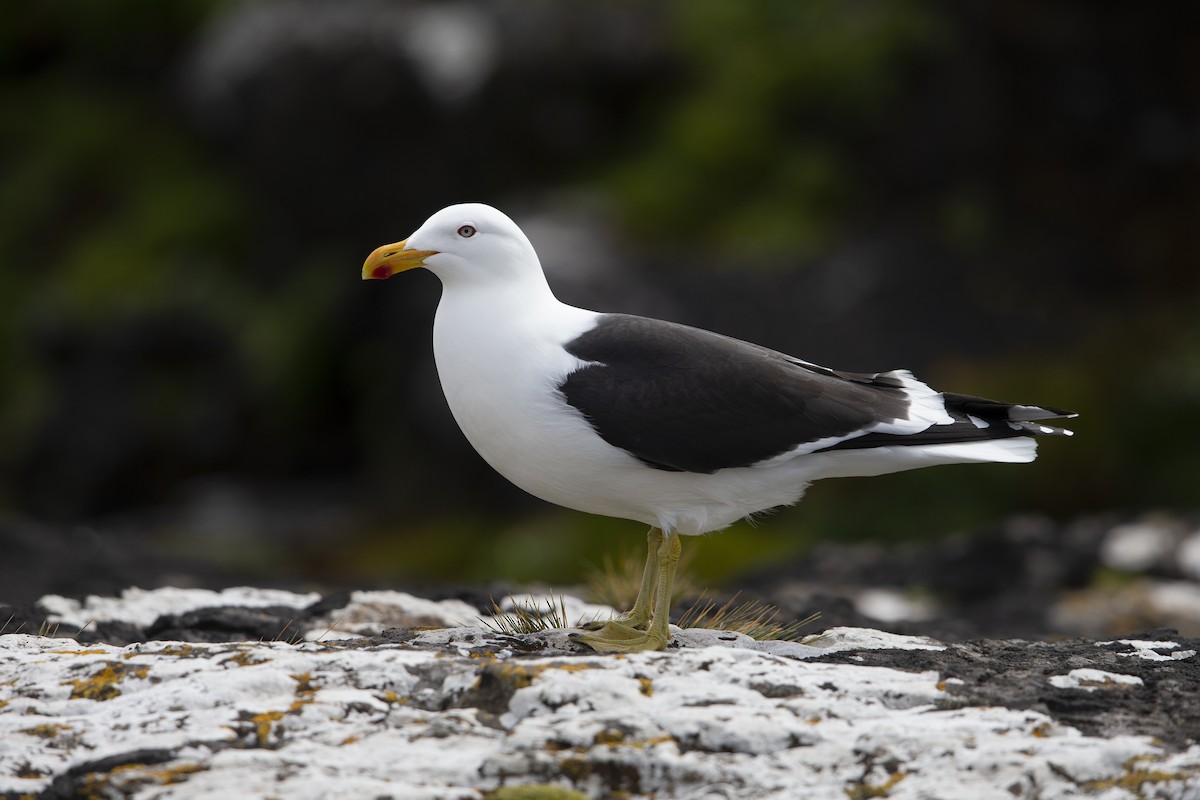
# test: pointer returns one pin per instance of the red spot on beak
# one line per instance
(382, 271)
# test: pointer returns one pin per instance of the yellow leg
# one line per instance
(658, 579)
(639, 616)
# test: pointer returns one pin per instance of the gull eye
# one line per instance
(466, 231)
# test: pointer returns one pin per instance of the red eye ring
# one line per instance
(467, 231)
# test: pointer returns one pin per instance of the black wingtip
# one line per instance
(1028, 413)
(994, 409)
(1037, 429)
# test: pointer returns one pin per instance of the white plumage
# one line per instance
(628, 417)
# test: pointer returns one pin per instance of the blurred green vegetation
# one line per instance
(1027, 149)
(757, 152)
(108, 209)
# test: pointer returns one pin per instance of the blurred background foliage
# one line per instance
(758, 149)
(194, 385)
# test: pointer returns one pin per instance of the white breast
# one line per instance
(500, 365)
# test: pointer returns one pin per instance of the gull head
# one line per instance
(470, 242)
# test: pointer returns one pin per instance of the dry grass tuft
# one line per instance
(527, 618)
(756, 619)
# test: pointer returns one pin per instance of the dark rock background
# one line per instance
(195, 389)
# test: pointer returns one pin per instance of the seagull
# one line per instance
(676, 427)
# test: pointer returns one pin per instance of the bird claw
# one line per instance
(626, 621)
(617, 637)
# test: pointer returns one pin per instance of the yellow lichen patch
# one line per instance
(615, 738)
(305, 691)
(244, 658)
(126, 779)
(537, 791)
(304, 684)
(516, 675)
(48, 731)
(96, 652)
(97, 785)
(1109, 683)
(103, 685)
(262, 725)
(577, 769)
(1042, 730)
(180, 650)
(646, 686)
(610, 736)
(178, 774)
(656, 740)
(865, 791)
(305, 694)
(520, 676)
(3, 703)
(1134, 780)
(351, 739)
(132, 765)
(573, 667)
(1136, 776)
(391, 697)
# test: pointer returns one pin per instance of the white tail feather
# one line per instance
(883, 460)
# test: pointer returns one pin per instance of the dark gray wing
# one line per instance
(685, 399)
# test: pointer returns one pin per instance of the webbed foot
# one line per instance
(645, 627)
(616, 637)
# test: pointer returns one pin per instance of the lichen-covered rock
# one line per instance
(464, 712)
(472, 711)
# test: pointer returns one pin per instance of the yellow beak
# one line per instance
(386, 261)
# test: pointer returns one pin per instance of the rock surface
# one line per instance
(1102, 576)
(368, 695)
